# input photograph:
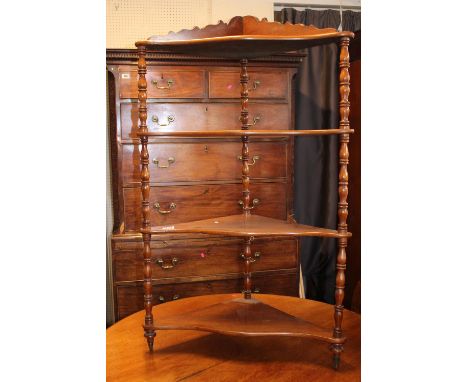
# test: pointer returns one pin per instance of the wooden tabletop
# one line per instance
(182, 355)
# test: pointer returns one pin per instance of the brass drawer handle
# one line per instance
(157, 162)
(170, 119)
(255, 120)
(255, 158)
(175, 297)
(157, 207)
(256, 84)
(174, 262)
(255, 203)
(170, 82)
(253, 258)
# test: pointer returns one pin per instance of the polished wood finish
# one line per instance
(203, 257)
(246, 316)
(272, 84)
(211, 184)
(244, 37)
(166, 84)
(344, 83)
(220, 161)
(202, 116)
(180, 204)
(130, 295)
(145, 189)
(200, 356)
(248, 225)
(240, 133)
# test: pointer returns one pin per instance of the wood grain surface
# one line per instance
(198, 356)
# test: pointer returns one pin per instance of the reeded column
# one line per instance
(145, 190)
(344, 84)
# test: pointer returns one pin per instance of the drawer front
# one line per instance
(200, 202)
(202, 116)
(175, 162)
(205, 257)
(165, 84)
(268, 84)
(130, 298)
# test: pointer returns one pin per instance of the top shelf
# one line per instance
(244, 37)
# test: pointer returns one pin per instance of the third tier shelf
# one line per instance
(237, 316)
(247, 225)
(240, 133)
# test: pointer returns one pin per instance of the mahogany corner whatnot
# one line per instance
(244, 38)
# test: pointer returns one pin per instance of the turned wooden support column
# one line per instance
(145, 191)
(244, 118)
(248, 259)
(344, 84)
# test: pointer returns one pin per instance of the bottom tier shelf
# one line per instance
(237, 316)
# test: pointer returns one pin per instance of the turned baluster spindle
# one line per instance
(247, 270)
(145, 190)
(344, 84)
(244, 117)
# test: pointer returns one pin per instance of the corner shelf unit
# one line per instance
(244, 38)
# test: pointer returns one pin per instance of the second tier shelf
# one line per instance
(240, 133)
(247, 225)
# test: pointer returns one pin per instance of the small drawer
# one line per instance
(130, 297)
(179, 204)
(202, 116)
(174, 162)
(165, 84)
(204, 258)
(268, 84)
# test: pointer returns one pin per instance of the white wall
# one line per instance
(130, 20)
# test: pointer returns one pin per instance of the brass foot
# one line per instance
(336, 361)
(150, 340)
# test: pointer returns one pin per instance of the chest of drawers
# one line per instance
(186, 93)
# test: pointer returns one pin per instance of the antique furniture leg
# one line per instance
(145, 189)
(344, 81)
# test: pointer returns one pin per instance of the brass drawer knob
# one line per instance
(157, 207)
(170, 119)
(157, 162)
(255, 203)
(253, 258)
(256, 85)
(169, 82)
(255, 158)
(174, 262)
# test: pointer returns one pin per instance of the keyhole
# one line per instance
(206, 108)
(206, 149)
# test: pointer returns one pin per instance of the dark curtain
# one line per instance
(316, 159)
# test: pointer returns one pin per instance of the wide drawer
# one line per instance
(130, 297)
(174, 162)
(178, 204)
(204, 257)
(202, 116)
(163, 83)
(267, 84)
